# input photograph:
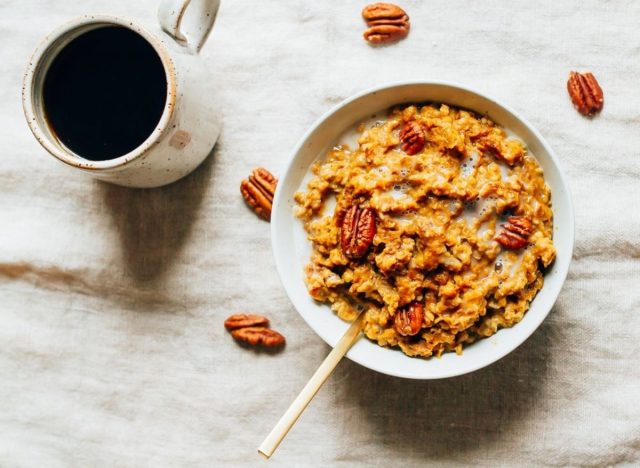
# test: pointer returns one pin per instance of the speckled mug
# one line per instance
(190, 122)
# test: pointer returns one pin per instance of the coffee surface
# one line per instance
(105, 92)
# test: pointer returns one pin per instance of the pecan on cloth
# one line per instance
(245, 320)
(387, 23)
(585, 93)
(258, 191)
(259, 336)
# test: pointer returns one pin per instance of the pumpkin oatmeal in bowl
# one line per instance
(432, 220)
(441, 229)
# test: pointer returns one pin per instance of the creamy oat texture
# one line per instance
(438, 212)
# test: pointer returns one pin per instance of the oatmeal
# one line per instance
(441, 229)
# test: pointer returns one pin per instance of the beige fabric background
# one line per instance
(112, 350)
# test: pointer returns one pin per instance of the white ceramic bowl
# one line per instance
(292, 249)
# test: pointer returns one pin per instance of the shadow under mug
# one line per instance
(190, 121)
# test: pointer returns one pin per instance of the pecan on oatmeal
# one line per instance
(516, 233)
(408, 320)
(412, 137)
(358, 226)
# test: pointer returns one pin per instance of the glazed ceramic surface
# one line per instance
(190, 123)
(292, 249)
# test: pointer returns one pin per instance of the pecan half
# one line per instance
(259, 336)
(381, 13)
(516, 233)
(245, 320)
(585, 92)
(387, 22)
(412, 138)
(357, 231)
(258, 191)
(408, 319)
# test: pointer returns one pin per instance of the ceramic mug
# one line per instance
(190, 122)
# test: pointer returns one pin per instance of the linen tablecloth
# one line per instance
(112, 349)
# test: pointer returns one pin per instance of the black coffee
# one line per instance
(105, 92)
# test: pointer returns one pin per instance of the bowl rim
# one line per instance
(561, 275)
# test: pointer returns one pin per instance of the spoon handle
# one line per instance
(292, 414)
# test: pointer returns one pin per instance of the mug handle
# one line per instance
(170, 16)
